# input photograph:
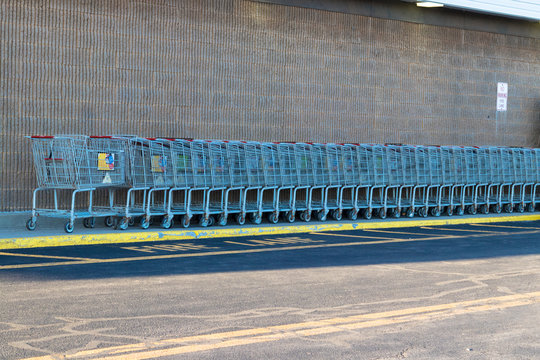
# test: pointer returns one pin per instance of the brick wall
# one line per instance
(246, 70)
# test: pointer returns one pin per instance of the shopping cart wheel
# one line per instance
(367, 214)
(255, 218)
(337, 214)
(321, 215)
(530, 207)
(449, 211)
(167, 223)
(435, 212)
(484, 209)
(131, 221)
(222, 221)
(273, 218)
(410, 212)
(204, 222)
(422, 212)
(31, 224)
(396, 213)
(472, 210)
(508, 208)
(123, 224)
(497, 208)
(240, 219)
(109, 221)
(520, 208)
(382, 213)
(460, 211)
(145, 222)
(89, 222)
(68, 227)
(290, 216)
(185, 221)
(306, 215)
(352, 214)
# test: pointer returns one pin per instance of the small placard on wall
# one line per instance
(502, 96)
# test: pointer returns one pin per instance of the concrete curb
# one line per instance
(118, 237)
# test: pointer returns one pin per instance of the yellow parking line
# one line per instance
(466, 230)
(507, 226)
(357, 236)
(44, 256)
(197, 343)
(395, 232)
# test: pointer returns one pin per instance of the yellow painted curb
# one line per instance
(183, 234)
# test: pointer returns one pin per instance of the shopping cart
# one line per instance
(283, 203)
(238, 180)
(182, 170)
(481, 190)
(77, 165)
(495, 180)
(379, 166)
(444, 203)
(332, 198)
(392, 192)
(509, 178)
(351, 181)
(272, 181)
(435, 180)
(305, 179)
(255, 181)
(367, 178)
(407, 191)
(320, 181)
(214, 197)
(536, 191)
(162, 175)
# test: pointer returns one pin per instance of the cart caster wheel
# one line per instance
(273, 218)
(352, 214)
(31, 224)
(508, 208)
(435, 212)
(520, 208)
(131, 221)
(240, 219)
(290, 216)
(108, 221)
(337, 214)
(89, 223)
(204, 222)
(368, 214)
(307, 215)
(167, 223)
(302, 216)
(530, 207)
(145, 223)
(410, 212)
(382, 213)
(222, 220)
(484, 209)
(255, 218)
(449, 211)
(472, 210)
(68, 227)
(395, 213)
(422, 212)
(211, 221)
(123, 224)
(321, 215)
(460, 211)
(185, 221)
(497, 209)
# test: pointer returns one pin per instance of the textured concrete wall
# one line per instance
(246, 70)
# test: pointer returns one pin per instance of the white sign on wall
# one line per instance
(502, 96)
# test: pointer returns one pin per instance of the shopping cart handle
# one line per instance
(55, 159)
(41, 137)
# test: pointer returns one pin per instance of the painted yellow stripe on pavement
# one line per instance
(44, 256)
(182, 234)
(192, 344)
(507, 226)
(246, 251)
(464, 230)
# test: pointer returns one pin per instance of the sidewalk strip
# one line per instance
(117, 237)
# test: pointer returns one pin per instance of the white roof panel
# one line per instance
(528, 9)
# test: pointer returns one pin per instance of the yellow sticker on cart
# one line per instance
(105, 161)
(159, 163)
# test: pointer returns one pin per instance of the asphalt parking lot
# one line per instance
(456, 291)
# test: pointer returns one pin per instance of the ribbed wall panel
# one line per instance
(244, 70)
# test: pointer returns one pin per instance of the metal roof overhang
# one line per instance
(522, 9)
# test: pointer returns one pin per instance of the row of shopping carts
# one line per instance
(214, 180)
